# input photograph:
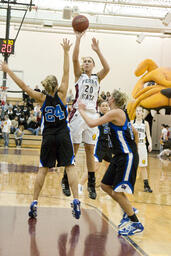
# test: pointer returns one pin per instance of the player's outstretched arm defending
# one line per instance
(38, 96)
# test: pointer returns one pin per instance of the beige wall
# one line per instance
(39, 54)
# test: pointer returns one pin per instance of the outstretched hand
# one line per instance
(81, 106)
(79, 34)
(3, 66)
(66, 44)
(95, 44)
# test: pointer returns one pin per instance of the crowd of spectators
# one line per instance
(26, 115)
(15, 118)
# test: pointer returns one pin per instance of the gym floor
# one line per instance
(56, 232)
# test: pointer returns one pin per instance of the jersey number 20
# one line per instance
(52, 112)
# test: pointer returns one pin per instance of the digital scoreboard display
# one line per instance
(7, 47)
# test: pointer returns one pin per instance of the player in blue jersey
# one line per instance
(56, 143)
(121, 174)
(103, 148)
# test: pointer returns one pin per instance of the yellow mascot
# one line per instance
(153, 90)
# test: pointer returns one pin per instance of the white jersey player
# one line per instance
(142, 127)
(87, 89)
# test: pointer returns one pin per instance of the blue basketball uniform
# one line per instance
(56, 143)
(121, 173)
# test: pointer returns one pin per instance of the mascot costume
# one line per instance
(153, 90)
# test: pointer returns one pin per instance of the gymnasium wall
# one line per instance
(38, 54)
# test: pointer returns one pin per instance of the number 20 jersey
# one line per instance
(54, 115)
(87, 90)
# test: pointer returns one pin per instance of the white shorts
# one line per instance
(80, 132)
(142, 152)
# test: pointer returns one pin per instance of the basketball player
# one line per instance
(103, 148)
(143, 131)
(121, 174)
(56, 143)
(87, 88)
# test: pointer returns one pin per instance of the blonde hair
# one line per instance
(120, 98)
(50, 83)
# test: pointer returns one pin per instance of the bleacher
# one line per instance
(29, 140)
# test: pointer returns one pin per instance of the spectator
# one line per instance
(6, 125)
(10, 113)
(14, 124)
(163, 136)
(5, 106)
(15, 108)
(32, 126)
(26, 111)
(19, 136)
(18, 112)
(22, 120)
(103, 95)
(107, 95)
(21, 105)
(36, 109)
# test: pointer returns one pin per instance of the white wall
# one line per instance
(38, 54)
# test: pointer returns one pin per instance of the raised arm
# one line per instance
(108, 117)
(105, 70)
(38, 96)
(75, 56)
(147, 130)
(62, 91)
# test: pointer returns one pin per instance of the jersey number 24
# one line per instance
(52, 112)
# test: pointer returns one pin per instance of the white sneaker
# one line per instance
(80, 189)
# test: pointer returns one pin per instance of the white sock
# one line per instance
(80, 189)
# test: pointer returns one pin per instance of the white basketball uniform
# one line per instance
(142, 149)
(87, 91)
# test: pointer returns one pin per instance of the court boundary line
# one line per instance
(128, 239)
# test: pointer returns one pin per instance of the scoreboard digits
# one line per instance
(7, 47)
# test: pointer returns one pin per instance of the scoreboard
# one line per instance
(7, 47)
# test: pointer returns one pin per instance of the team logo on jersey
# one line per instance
(123, 186)
(94, 136)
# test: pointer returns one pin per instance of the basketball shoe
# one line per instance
(33, 210)
(147, 189)
(131, 229)
(91, 188)
(65, 186)
(76, 212)
(125, 219)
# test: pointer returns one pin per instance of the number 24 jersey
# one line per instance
(54, 115)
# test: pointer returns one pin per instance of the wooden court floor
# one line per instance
(56, 232)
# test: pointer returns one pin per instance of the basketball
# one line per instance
(80, 23)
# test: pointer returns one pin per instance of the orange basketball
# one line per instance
(80, 23)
